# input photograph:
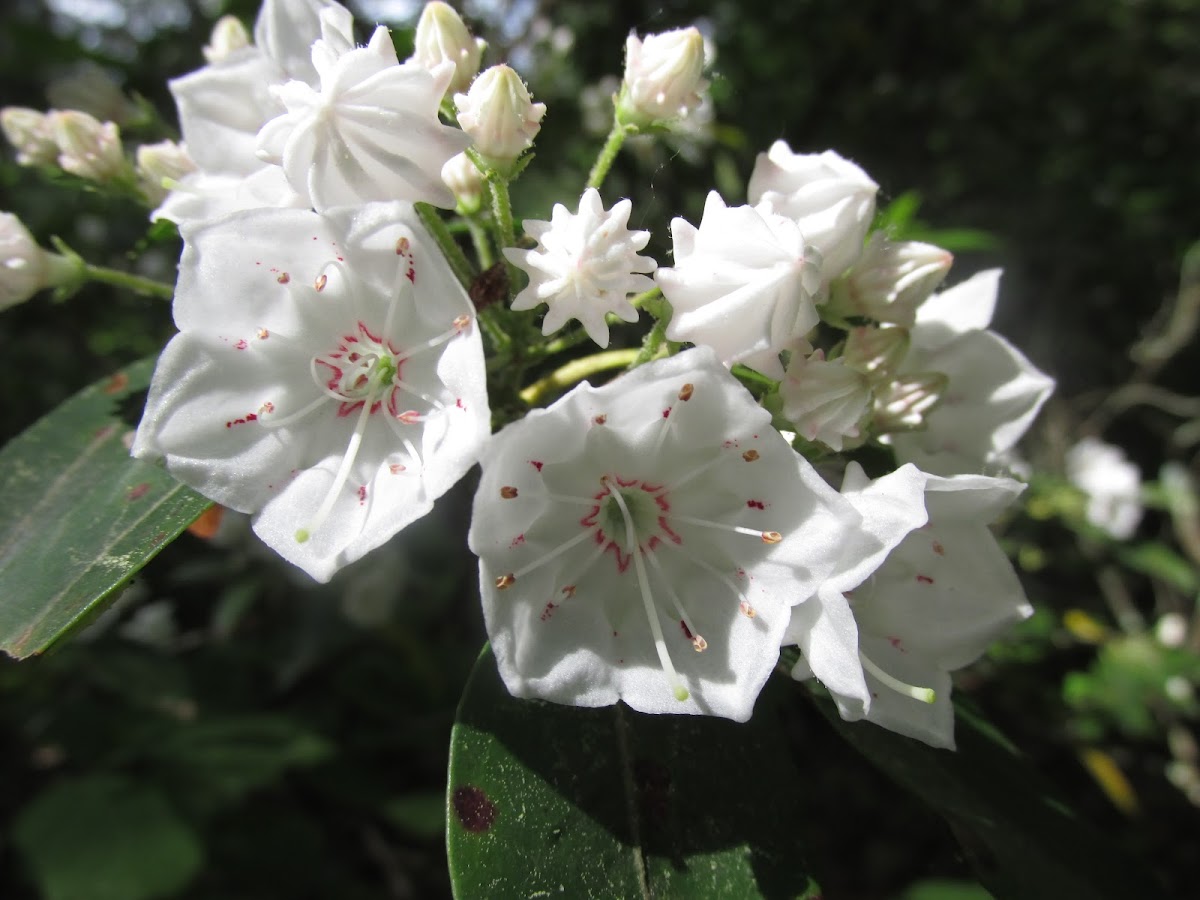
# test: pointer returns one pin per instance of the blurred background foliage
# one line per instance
(230, 731)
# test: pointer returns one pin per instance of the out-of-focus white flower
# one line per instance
(31, 134)
(584, 266)
(830, 198)
(1171, 630)
(825, 399)
(92, 89)
(993, 394)
(327, 377)
(1113, 485)
(743, 283)
(369, 132)
(890, 280)
(228, 36)
(465, 181)
(442, 37)
(663, 77)
(499, 115)
(25, 268)
(160, 166)
(87, 147)
(643, 541)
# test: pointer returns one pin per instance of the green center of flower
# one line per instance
(642, 512)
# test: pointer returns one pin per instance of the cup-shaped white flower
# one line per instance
(642, 542)
(826, 400)
(1113, 485)
(830, 198)
(328, 377)
(31, 134)
(890, 280)
(442, 37)
(584, 265)
(369, 132)
(994, 392)
(499, 116)
(743, 283)
(25, 268)
(662, 76)
(88, 147)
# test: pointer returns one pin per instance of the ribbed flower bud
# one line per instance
(903, 405)
(466, 181)
(876, 352)
(663, 77)
(25, 268)
(87, 147)
(499, 115)
(31, 133)
(825, 400)
(890, 281)
(442, 36)
(228, 36)
(159, 166)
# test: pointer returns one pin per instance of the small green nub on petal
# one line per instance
(681, 693)
(302, 535)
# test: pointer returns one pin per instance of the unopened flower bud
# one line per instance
(228, 36)
(87, 147)
(159, 166)
(662, 77)
(499, 115)
(891, 280)
(903, 405)
(442, 36)
(825, 400)
(92, 89)
(466, 181)
(31, 133)
(876, 352)
(25, 268)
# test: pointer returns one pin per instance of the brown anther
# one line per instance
(699, 643)
(262, 334)
(747, 610)
(771, 537)
(600, 419)
(461, 322)
(319, 284)
(283, 278)
(508, 492)
(750, 455)
(505, 581)
(402, 246)
(685, 392)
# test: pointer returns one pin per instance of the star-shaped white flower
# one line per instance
(642, 541)
(328, 377)
(743, 283)
(584, 266)
(369, 131)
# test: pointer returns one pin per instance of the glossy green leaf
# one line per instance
(105, 837)
(1022, 840)
(78, 516)
(547, 800)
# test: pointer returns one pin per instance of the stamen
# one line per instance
(552, 554)
(455, 329)
(696, 472)
(925, 695)
(698, 641)
(578, 501)
(508, 492)
(417, 392)
(660, 644)
(744, 605)
(767, 537)
(414, 455)
(272, 421)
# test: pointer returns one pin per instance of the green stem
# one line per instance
(135, 283)
(483, 246)
(640, 301)
(608, 153)
(454, 256)
(502, 214)
(566, 342)
(652, 344)
(574, 372)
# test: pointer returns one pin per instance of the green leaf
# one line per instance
(1161, 562)
(612, 803)
(105, 837)
(78, 516)
(1023, 842)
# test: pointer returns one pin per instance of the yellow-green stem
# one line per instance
(575, 371)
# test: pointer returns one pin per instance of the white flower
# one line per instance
(994, 392)
(88, 147)
(327, 377)
(830, 198)
(890, 280)
(369, 132)
(161, 165)
(499, 115)
(742, 283)
(642, 542)
(662, 76)
(943, 594)
(443, 37)
(1113, 485)
(825, 399)
(585, 265)
(31, 134)
(25, 268)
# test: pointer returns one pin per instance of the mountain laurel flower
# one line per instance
(1112, 483)
(465, 181)
(876, 352)
(229, 35)
(499, 116)
(743, 283)
(31, 134)
(662, 77)
(443, 36)
(327, 377)
(584, 266)
(942, 595)
(88, 147)
(641, 542)
(826, 400)
(25, 268)
(994, 392)
(890, 280)
(369, 132)
(830, 198)
(160, 166)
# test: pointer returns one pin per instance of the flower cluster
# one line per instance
(655, 539)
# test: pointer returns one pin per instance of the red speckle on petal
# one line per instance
(938, 548)
(756, 504)
(241, 345)
(666, 412)
(396, 468)
(458, 402)
(138, 491)
(362, 495)
(537, 464)
(924, 579)
(411, 274)
(895, 642)
(569, 591)
(518, 541)
(551, 606)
